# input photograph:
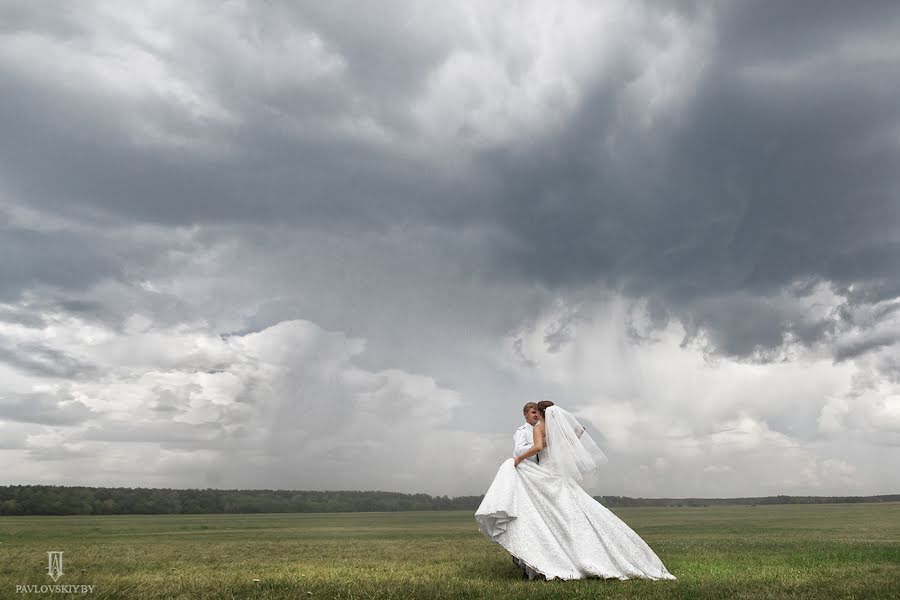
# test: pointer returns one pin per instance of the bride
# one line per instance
(541, 515)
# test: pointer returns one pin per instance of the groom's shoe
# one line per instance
(521, 566)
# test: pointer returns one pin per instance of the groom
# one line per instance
(523, 439)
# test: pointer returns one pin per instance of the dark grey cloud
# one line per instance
(16, 17)
(167, 434)
(386, 53)
(43, 408)
(772, 170)
(68, 147)
(42, 360)
(776, 172)
(60, 259)
(9, 314)
(775, 32)
(856, 347)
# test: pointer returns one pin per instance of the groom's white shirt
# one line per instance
(523, 440)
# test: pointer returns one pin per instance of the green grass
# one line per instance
(849, 551)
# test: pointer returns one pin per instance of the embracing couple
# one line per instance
(537, 508)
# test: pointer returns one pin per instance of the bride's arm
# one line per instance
(537, 444)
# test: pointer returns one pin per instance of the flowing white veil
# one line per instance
(572, 452)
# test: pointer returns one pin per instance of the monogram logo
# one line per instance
(55, 564)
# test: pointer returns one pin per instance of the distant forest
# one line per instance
(61, 500)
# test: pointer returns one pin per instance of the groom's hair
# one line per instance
(543, 405)
(528, 406)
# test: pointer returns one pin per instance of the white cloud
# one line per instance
(514, 77)
(284, 407)
(759, 428)
(849, 53)
(717, 469)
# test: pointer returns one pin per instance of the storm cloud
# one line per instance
(401, 224)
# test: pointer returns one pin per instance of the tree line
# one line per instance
(621, 501)
(65, 500)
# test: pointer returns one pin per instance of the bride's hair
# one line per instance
(543, 405)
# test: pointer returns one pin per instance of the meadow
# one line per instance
(849, 551)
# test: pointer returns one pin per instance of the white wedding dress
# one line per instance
(541, 515)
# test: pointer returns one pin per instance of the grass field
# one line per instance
(795, 551)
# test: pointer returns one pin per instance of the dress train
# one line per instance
(553, 528)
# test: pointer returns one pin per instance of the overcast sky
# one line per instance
(317, 246)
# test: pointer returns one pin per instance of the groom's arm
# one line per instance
(536, 446)
(521, 442)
